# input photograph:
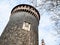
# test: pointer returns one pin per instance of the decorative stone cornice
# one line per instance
(27, 8)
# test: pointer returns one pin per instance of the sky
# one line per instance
(46, 26)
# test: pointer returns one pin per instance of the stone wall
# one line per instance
(15, 35)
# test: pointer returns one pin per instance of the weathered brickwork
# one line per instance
(15, 35)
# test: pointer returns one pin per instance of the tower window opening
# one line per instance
(26, 26)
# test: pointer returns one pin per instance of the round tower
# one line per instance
(22, 28)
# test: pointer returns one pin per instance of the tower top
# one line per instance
(43, 43)
(27, 8)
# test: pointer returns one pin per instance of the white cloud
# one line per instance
(4, 15)
(45, 20)
(46, 29)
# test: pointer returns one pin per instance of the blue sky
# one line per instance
(46, 26)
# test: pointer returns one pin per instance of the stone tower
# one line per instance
(22, 28)
(43, 43)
